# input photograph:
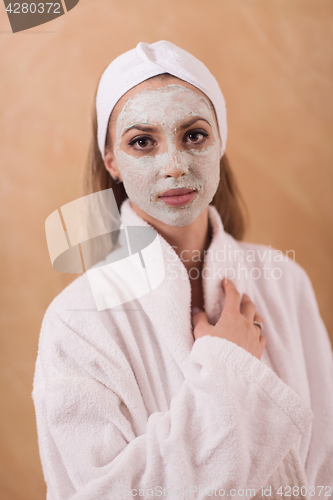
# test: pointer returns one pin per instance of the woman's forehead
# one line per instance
(166, 105)
(151, 92)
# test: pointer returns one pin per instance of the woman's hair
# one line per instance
(227, 200)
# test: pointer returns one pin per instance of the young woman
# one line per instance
(177, 393)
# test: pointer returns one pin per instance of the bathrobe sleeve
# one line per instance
(229, 427)
(319, 364)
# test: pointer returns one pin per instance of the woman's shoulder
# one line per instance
(253, 256)
(74, 328)
(64, 314)
(279, 272)
(77, 296)
(254, 253)
(78, 342)
(72, 314)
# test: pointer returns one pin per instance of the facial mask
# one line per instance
(144, 176)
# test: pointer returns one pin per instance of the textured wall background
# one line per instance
(273, 60)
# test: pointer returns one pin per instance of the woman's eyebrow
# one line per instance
(151, 129)
(142, 127)
(191, 122)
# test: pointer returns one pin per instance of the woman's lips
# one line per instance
(177, 197)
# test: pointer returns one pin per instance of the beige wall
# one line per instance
(273, 59)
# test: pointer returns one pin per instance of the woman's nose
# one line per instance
(175, 167)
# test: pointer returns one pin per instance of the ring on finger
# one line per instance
(261, 326)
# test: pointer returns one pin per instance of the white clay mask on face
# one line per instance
(170, 163)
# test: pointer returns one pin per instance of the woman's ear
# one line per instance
(111, 165)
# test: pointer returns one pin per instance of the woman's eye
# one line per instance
(141, 142)
(197, 137)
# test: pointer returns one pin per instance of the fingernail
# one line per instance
(195, 310)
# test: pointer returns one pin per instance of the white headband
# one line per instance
(148, 60)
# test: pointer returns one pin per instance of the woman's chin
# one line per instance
(178, 216)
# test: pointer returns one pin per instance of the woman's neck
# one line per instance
(189, 242)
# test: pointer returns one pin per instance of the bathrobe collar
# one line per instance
(169, 305)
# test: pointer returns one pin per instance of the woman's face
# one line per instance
(166, 150)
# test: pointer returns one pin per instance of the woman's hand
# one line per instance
(235, 323)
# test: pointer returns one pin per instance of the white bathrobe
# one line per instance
(128, 405)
